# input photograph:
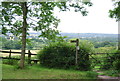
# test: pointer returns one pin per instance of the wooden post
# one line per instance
(9, 56)
(29, 57)
(77, 48)
(119, 42)
(119, 35)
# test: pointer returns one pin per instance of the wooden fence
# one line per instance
(36, 60)
(29, 56)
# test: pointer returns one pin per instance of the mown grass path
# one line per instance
(38, 72)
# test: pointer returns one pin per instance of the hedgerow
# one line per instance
(62, 55)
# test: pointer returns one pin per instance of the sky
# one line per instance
(97, 21)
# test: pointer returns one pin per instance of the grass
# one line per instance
(38, 72)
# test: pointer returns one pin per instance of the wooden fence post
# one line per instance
(29, 57)
(9, 56)
(77, 48)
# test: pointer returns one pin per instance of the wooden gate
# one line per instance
(103, 60)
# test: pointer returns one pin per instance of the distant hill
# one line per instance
(88, 35)
(79, 35)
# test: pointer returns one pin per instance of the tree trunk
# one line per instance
(119, 35)
(24, 30)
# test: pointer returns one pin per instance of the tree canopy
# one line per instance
(115, 13)
(40, 16)
(19, 17)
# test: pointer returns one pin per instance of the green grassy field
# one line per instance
(38, 72)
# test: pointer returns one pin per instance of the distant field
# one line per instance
(13, 54)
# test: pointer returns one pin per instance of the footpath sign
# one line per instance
(77, 48)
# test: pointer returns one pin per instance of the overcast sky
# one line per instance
(97, 20)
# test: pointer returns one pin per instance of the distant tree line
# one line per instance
(16, 44)
(36, 43)
(104, 44)
(103, 41)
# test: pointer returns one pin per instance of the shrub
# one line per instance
(10, 62)
(62, 55)
(14, 61)
(116, 64)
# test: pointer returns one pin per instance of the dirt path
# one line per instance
(107, 77)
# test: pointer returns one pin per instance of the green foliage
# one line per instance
(19, 17)
(62, 55)
(100, 42)
(16, 62)
(116, 64)
(115, 13)
(113, 38)
(10, 61)
(16, 43)
(40, 16)
(87, 45)
(10, 44)
(103, 44)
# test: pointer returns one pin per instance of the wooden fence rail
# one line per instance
(9, 58)
(36, 60)
(16, 52)
(29, 56)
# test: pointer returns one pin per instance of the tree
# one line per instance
(19, 17)
(115, 13)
